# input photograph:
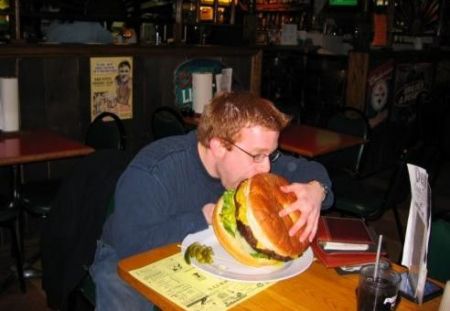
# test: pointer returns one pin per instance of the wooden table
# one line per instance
(312, 141)
(38, 145)
(318, 288)
(29, 146)
(192, 120)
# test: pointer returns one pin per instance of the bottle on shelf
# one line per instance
(4, 21)
(189, 11)
(158, 38)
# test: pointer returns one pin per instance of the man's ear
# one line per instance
(217, 147)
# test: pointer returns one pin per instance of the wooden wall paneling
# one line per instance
(148, 95)
(158, 88)
(165, 80)
(32, 90)
(8, 67)
(33, 111)
(84, 96)
(241, 70)
(62, 83)
(256, 73)
(358, 64)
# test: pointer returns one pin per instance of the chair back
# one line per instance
(69, 236)
(350, 121)
(445, 134)
(106, 132)
(369, 196)
(167, 121)
(439, 248)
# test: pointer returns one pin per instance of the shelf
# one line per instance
(278, 7)
(406, 34)
(147, 18)
(209, 23)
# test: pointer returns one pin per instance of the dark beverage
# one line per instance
(379, 294)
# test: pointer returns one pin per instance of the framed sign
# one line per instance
(112, 86)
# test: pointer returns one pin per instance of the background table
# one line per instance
(38, 145)
(28, 146)
(310, 141)
(318, 288)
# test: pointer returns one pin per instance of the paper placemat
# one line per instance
(192, 289)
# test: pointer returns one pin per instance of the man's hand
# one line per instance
(309, 201)
(208, 210)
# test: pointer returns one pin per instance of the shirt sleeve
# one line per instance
(302, 170)
(148, 215)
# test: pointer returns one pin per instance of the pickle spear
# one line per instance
(202, 253)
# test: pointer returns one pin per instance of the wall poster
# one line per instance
(379, 89)
(413, 83)
(112, 86)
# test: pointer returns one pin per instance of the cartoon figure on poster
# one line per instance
(111, 86)
(123, 83)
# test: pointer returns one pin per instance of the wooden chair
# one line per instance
(74, 225)
(350, 121)
(106, 132)
(369, 197)
(167, 121)
(439, 247)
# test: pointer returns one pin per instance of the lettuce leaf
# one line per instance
(259, 255)
(228, 212)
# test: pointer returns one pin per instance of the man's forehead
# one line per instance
(250, 131)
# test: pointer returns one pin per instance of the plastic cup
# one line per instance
(380, 294)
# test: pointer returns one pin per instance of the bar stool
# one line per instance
(8, 219)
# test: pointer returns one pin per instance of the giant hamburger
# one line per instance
(247, 224)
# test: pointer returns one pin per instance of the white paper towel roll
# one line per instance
(201, 90)
(219, 84)
(9, 102)
(227, 79)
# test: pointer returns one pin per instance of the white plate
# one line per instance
(226, 267)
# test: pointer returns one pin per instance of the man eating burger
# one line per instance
(172, 186)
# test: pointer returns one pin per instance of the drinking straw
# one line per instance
(377, 260)
(375, 271)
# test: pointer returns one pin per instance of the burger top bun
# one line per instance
(265, 201)
(258, 201)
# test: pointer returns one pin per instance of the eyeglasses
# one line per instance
(258, 158)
